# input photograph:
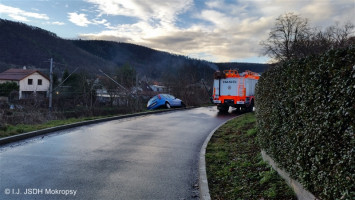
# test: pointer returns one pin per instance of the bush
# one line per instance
(306, 115)
(7, 87)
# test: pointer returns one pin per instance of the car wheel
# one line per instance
(167, 105)
(183, 105)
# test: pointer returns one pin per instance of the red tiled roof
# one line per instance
(18, 74)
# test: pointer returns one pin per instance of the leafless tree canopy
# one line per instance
(293, 37)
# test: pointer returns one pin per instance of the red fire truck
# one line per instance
(233, 89)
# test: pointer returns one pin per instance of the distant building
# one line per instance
(145, 87)
(104, 96)
(31, 82)
(158, 88)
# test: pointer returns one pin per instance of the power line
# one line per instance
(112, 79)
(66, 78)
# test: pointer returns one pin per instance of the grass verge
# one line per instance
(9, 130)
(235, 169)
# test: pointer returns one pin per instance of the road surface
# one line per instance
(147, 157)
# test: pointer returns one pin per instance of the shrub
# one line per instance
(7, 87)
(306, 115)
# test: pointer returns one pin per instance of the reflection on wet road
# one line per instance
(149, 157)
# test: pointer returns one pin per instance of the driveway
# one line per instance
(147, 157)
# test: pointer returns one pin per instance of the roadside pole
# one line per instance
(50, 85)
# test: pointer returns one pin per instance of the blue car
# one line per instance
(164, 100)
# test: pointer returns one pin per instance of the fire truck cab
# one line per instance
(233, 89)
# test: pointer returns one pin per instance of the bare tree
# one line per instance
(335, 36)
(289, 29)
(292, 37)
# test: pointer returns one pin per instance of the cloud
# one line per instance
(219, 19)
(21, 15)
(217, 29)
(216, 4)
(160, 11)
(58, 23)
(79, 19)
(319, 12)
(82, 20)
(19, 18)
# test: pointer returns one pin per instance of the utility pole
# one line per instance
(50, 85)
(137, 95)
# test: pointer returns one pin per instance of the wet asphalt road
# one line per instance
(148, 157)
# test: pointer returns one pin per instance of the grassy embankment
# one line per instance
(9, 130)
(235, 168)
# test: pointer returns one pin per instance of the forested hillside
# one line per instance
(24, 45)
(148, 62)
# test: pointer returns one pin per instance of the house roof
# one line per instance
(19, 74)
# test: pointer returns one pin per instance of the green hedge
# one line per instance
(305, 118)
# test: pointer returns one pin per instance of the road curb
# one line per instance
(203, 182)
(15, 138)
(296, 186)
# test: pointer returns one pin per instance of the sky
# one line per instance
(213, 30)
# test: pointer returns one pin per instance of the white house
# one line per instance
(31, 82)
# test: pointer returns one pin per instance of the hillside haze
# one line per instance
(24, 45)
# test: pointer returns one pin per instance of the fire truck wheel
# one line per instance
(167, 105)
(251, 106)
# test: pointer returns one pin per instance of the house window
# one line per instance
(39, 82)
(30, 81)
